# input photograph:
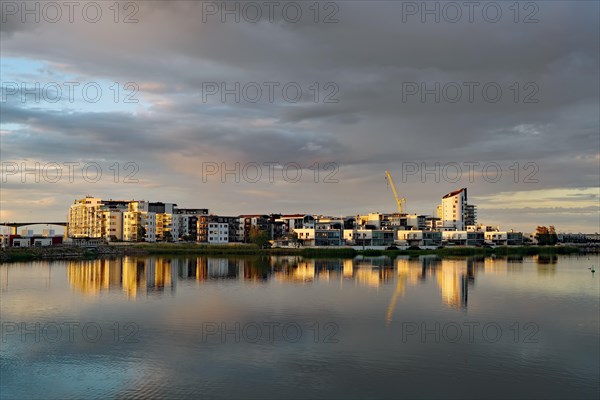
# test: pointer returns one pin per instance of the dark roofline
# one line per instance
(454, 193)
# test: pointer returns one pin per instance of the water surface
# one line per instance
(288, 327)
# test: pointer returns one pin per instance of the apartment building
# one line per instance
(164, 220)
(369, 237)
(470, 214)
(419, 238)
(85, 219)
(416, 221)
(327, 231)
(290, 222)
(455, 212)
(139, 226)
(219, 229)
(218, 232)
(259, 221)
(462, 238)
(112, 224)
(319, 236)
(190, 222)
(498, 238)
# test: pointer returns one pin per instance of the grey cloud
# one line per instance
(369, 54)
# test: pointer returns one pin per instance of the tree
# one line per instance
(188, 238)
(168, 236)
(294, 239)
(545, 236)
(141, 232)
(259, 237)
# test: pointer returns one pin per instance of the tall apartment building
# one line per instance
(85, 218)
(455, 212)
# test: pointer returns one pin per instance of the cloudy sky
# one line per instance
(500, 99)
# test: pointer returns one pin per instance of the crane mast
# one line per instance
(399, 200)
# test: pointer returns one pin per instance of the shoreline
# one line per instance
(8, 255)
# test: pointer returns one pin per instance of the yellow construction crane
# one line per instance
(399, 201)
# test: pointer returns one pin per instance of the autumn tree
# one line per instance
(258, 237)
(546, 236)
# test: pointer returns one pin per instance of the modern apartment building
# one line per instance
(218, 232)
(85, 218)
(462, 238)
(188, 222)
(112, 224)
(219, 229)
(456, 213)
(419, 238)
(499, 238)
(369, 237)
(470, 215)
(139, 224)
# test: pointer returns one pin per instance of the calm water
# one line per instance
(287, 327)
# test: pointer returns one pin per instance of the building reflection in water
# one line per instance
(133, 275)
(138, 276)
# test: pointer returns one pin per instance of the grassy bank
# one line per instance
(70, 253)
(51, 253)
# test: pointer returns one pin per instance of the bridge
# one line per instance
(14, 225)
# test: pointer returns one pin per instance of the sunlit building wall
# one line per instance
(85, 219)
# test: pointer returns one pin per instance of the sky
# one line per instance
(301, 107)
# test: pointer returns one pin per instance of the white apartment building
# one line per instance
(462, 238)
(291, 222)
(358, 236)
(454, 208)
(419, 238)
(322, 235)
(372, 219)
(306, 236)
(218, 232)
(498, 238)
